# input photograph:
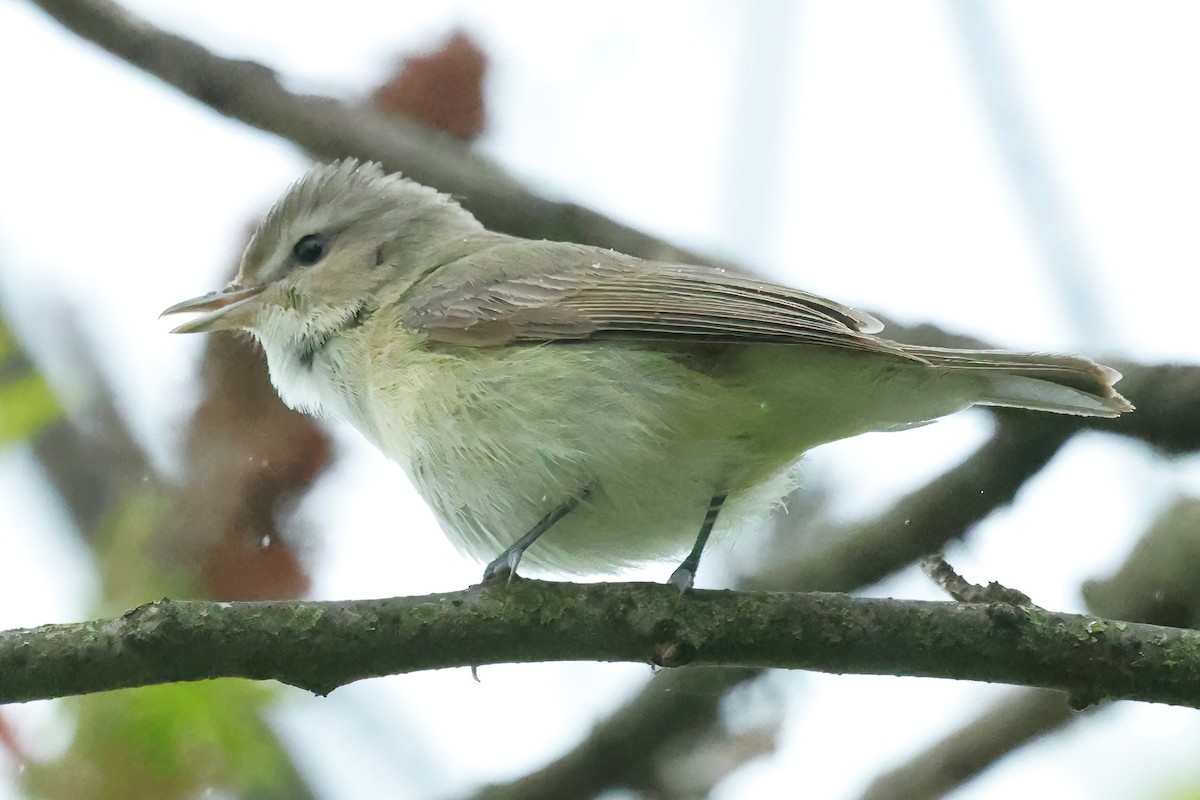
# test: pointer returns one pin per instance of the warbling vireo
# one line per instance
(632, 406)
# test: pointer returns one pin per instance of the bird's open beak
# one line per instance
(232, 308)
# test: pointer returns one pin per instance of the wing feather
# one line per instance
(545, 291)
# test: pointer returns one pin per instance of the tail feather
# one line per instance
(1038, 381)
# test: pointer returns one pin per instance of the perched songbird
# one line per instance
(621, 407)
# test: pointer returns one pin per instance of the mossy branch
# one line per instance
(319, 646)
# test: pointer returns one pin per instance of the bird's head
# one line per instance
(344, 236)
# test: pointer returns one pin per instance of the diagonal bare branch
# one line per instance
(677, 705)
(329, 128)
(1156, 584)
(924, 521)
(963, 754)
(1167, 397)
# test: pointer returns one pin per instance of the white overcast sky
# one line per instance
(846, 147)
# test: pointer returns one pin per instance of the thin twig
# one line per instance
(940, 572)
(493, 196)
(1157, 583)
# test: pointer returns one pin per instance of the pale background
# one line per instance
(1025, 173)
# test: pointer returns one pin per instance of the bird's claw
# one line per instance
(682, 578)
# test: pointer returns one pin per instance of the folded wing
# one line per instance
(546, 291)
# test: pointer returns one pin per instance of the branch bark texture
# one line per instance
(322, 645)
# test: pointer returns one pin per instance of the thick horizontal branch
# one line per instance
(322, 645)
(924, 521)
(1158, 583)
(252, 93)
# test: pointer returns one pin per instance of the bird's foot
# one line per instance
(504, 565)
(683, 577)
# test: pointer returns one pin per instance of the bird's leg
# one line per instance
(685, 575)
(508, 560)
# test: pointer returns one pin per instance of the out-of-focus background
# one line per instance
(1021, 173)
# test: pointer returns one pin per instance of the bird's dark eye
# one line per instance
(310, 249)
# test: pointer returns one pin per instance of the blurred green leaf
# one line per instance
(122, 541)
(174, 741)
(27, 404)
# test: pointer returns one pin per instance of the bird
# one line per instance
(573, 406)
